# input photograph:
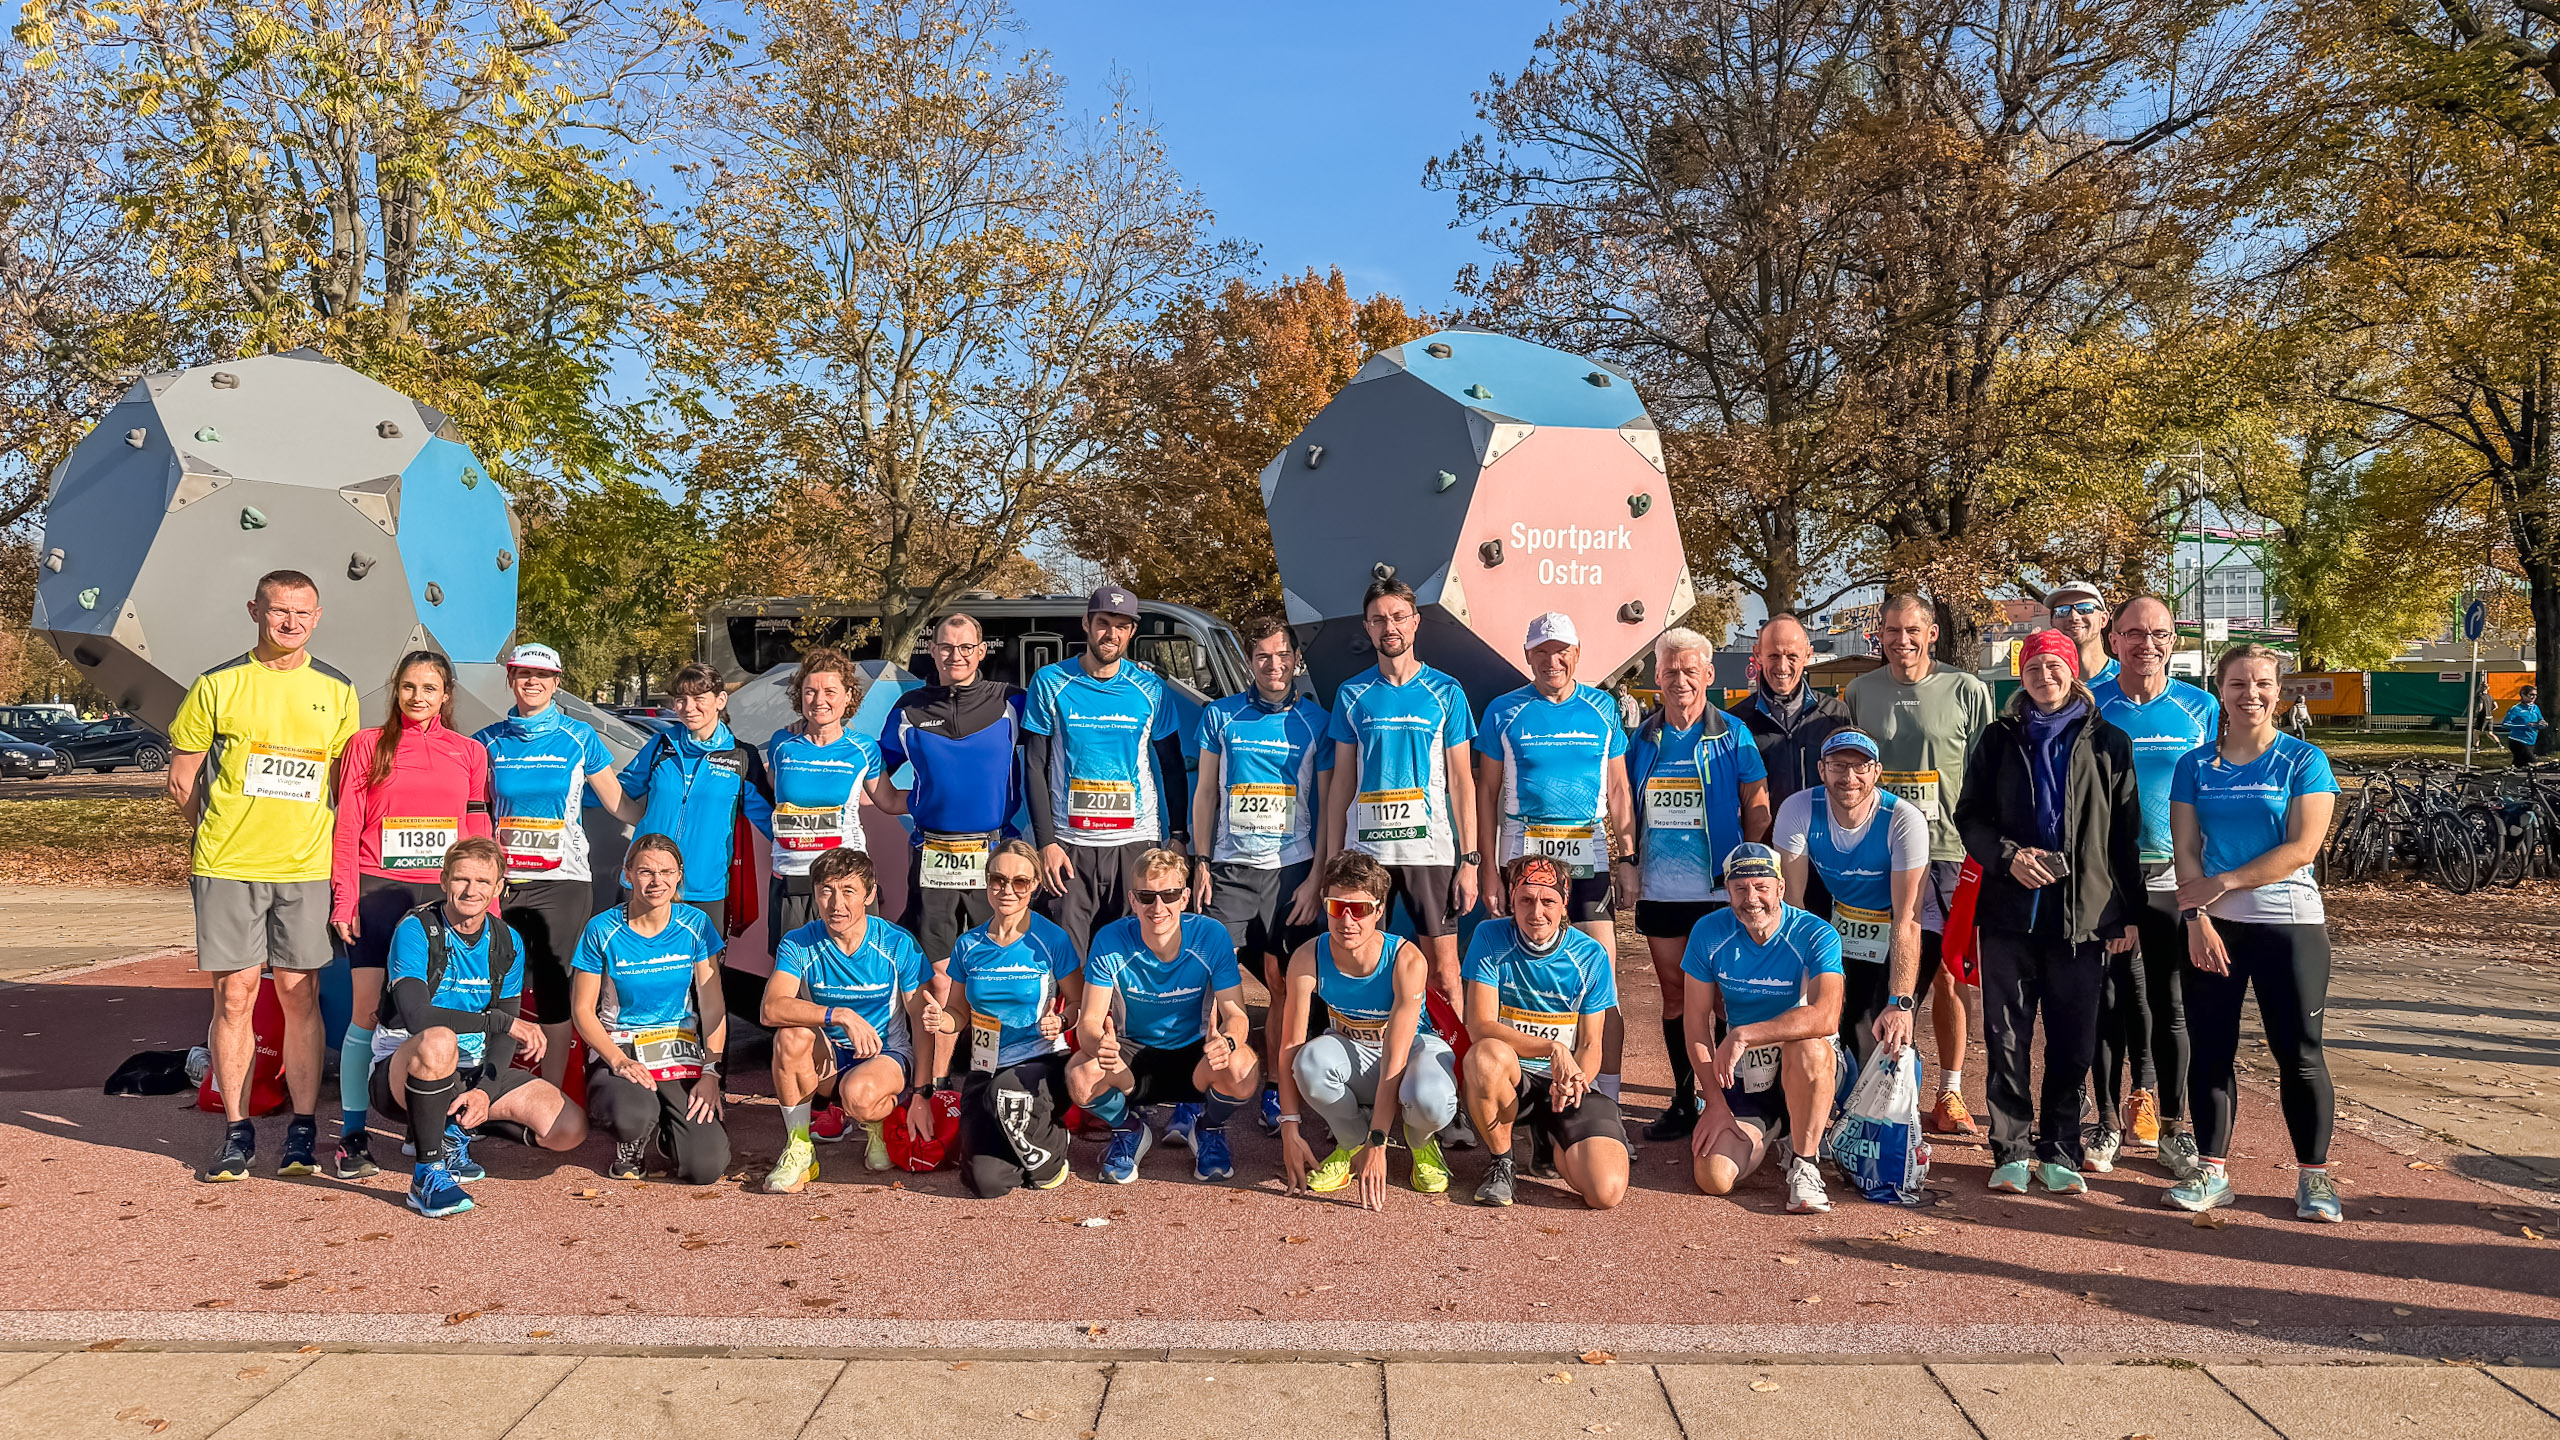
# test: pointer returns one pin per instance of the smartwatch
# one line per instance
(1901, 1002)
(1471, 857)
(1377, 1138)
(2191, 915)
(1627, 859)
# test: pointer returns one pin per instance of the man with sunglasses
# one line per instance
(2142, 1017)
(1101, 757)
(1163, 1020)
(1552, 767)
(1402, 759)
(962, 739)
(1538, 996)
(1870, 851)
(2080, 611)
(1264, 761)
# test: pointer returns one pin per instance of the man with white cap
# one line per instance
(2080, 611)
(541, 764)
(1103, 764)
(1870, 853)
(1551, 780)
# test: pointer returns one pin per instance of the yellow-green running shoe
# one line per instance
(797, 1167)
(875, 1147)
(1430, 1167)
(1332, 1173)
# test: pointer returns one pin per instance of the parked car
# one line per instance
(26, 760)
(112, 744)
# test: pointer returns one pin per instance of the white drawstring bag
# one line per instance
(1877, 1143)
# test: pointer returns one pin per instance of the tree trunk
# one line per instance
(2542, 587)
(1959, 637)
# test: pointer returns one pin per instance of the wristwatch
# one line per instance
(2191, 915)
(1627, 859)
(1471, 857)
(1901, 1002)
(1377, 1138)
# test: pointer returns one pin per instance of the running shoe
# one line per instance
(301, 1138)
(1674, 1123)
(1331, 1173)
(1430, 1167)
(1805, 1195)
(2177, 1154)
(829, 1125)
(629, 1158)
(1056, 1178)
(1128, 1147)
(239, 1150)
(2208, 1189)
(797, 1167)
(2011, 1179)
(1458, 1134)
(2142, 1117)
(1500, 1179)
(875, 1146)
(355, 1158)
(1210, 1157)
(1182, 1125)
(2315, 1197)
(1951, 1118)
(1270, 1116)
(433, 1194)
(2061, 1179)
(457, 1155)
(2101, 1145)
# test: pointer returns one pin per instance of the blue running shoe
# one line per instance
(1182, 1126)
(433, 1194)
(1128, 1147)
(1211, 1159)
(1270, 1116)
(2315, 1197)
(2207, 1189)
(457, 1155)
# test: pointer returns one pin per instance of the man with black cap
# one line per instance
(1102, 756)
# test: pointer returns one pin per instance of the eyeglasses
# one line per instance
(970, 648)
(2155, 637)
(1341, 909)
(1161, 897)
(2079, 607)
(1851, 762)
(1011, 882)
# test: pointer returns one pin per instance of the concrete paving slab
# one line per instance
(45, 927)
(947, 1400)
(1278, 1401)
(18, 1362)
(407, 1397)
(2540, 1384)
(637, 1399)
(2340, 1402)
(2103, 1402)
(1527, 1402)
(1812, 1402)
(107, 1394)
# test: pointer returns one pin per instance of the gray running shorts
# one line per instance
(243, 924)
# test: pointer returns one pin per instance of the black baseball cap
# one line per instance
(1112, 600)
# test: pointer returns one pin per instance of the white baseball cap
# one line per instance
(529, 656)
(1551, 626)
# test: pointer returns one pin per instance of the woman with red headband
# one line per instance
(2051, 814)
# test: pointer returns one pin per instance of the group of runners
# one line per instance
(1794, 865)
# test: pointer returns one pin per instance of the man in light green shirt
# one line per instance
(1925, 719)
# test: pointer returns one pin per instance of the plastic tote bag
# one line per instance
(1878, 1143)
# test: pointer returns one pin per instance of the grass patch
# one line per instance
(2386, 747)
(105, 840)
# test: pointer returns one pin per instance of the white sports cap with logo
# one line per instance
(529, 656)
(1551, 627)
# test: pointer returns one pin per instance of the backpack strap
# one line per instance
(502, 951)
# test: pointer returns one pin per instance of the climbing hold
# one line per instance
(252, 518)
(1382, 571)
(1436, 351)
(387, 430)
(435, 593)
(1315, 456)
(1447, 479)
(53, 560)
(1599, 378)
(1478, 392)
(470, 479)
(1490, 552)
(1631, 613)
(209, 435)
(359, 565)
(1638, 504)
(89, 598)
(137, 437)
(225, 380)
(506, 558)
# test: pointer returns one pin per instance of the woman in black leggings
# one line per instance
(2248, 814)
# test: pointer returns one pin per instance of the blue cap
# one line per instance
(1112, 600)
(1850, 737)
(1751, 860)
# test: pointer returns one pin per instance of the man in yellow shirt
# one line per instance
(255, 743)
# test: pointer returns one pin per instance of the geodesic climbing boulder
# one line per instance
(1499, 479)
(199, 481)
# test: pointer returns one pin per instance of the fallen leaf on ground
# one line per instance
(305, 1350)
(537, 1334)
(1097, 1330)
(2423, 1165)
(2396, 1310)
(1810, 1300)
(818, 1302)
(130, 1411)
(104, 1344)
(1550, 1229)
(213, 1304)
(1295, 1239)
(2371, 1336)
(2248, 1322)
(1555, 1377)
(784, 1245)
(962, 1364)
(1789, 1260)
(588, 1194)
(376, 1235)
(1602, 1428)
(2530, 1233)
(693, 1244)
(1897, 1284)
(1599, 1357)
(458, 1316)
(251, 1373)
(1765, 1387)
(2207, 1220)
(1096, 1222)
(1036, 1413)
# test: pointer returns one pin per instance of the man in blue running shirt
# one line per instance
(691, 785)
(962, 741)
(1551, 766)
(2523, 726)
(1264, 761)
(1101, 759)
(1402, 759)
(2142, 1020)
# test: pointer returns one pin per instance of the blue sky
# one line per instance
(1306, 124)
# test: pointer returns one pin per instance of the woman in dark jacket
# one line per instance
(2051, 814)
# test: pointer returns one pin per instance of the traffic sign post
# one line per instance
(2475, 620)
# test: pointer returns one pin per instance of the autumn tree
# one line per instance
(613, 576)
(416, 188)
(1222, 385)
(910, 257)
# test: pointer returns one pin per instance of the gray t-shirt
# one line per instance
(1924, 731)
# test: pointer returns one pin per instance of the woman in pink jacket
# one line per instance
(406, 792)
